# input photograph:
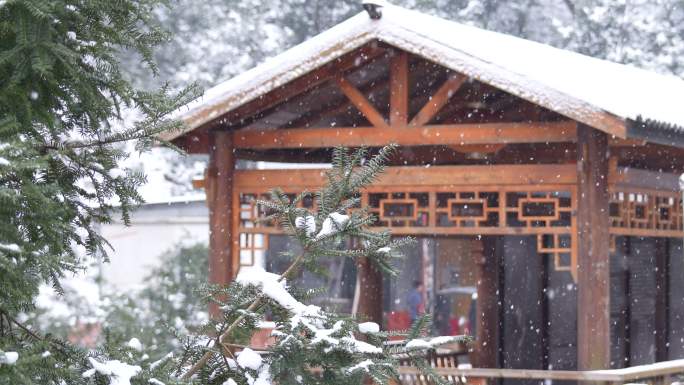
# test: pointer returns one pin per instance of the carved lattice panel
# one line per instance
(559, 247)
(252, 227)
(471, 209)
(645, 212)
(253, 247)
(547, 214)
(399, 209)
(539, 209)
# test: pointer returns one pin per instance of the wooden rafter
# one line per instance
(456, 134)
(313, 117)
(361, 103)
(377, 85)
(438, 100)
(399, 89)
(306, 82)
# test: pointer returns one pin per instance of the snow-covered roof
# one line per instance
(599, 93)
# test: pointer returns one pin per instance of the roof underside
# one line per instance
(325, 105)
(507, 74)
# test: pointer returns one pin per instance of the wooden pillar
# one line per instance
(220, 200)
(488, 309)
(662, 326)
(399, 84)
(370, 295)
(593, 273)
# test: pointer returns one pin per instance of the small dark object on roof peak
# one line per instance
(374, 8)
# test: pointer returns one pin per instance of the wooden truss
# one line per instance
(399, 127)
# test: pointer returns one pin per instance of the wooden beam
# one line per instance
(438, 100)
(361, 103)
(220, 201)
(445, 176)
(593, 273)
(399, 89)
(478, 148)
(643, 179)
(453, 134)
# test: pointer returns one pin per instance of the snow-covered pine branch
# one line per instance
(311, 345)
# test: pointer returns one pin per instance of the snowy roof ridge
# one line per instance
(590, 90)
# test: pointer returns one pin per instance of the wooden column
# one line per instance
(220, 200)
(399, 84)
(662, 326)
(488, 309)
(593, 274)
(370, 295)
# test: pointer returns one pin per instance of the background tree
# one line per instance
(62, 100)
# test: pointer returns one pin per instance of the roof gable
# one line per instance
(605, 95)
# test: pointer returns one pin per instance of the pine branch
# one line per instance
(23, 327)
(223, 336)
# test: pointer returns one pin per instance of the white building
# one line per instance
(155, 228)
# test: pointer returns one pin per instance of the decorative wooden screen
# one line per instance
(252, 229)
(644, 212)
(546, 212)
(543, 211)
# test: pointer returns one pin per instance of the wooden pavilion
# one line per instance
(541, 184)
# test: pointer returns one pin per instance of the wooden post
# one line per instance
(593, 278)
(662, 326)
(487, 331)
(370, 286)
(399, 84)
(220, 200)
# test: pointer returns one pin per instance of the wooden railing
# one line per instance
(661, 373)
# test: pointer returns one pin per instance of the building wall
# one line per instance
(156, 228)
(676, 300)
(634, 301)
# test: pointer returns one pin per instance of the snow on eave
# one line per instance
(291, 64)
(411, 40)
(599, 93)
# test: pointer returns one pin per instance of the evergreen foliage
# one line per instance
(312, 346)
(167, 304)
(62, 100)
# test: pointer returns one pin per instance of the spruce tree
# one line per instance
(312, 345)
(62, 102)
